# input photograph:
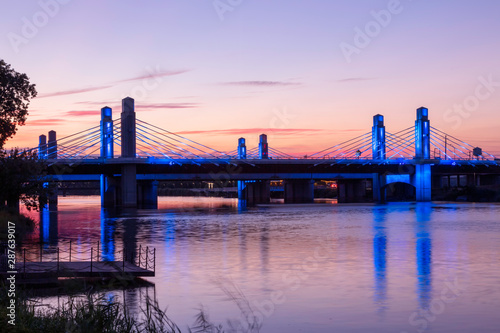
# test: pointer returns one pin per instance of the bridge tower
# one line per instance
(42, 147)
(263, 147)
(252, 192)
(108, 182)
(129, 172)
(378, 153)
(378, 138)
(421, 179)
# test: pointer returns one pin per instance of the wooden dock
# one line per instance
(104, 269)
(52, 268)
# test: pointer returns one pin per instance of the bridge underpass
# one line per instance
(369, 163)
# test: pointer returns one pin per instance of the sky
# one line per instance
(310, 74)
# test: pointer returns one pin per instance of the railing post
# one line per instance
(154, 260)
(97, 251)
(40, 251)
(24, 259)
(123, 261)
(140, 251)
(147, 251)
(91, 253)
(70, 250)
(57, 260)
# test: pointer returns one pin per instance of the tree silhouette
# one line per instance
(15, 94)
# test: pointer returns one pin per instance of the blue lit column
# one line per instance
(422, 134)
(242, 191)
(108, 183)
(422, 177)
(106, 133)
(378, 138)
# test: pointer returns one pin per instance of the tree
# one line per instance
(15, 94)
(22, 178)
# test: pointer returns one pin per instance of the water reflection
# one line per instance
(107, 236)
(424, 254)
(380, 259)
(48, 227)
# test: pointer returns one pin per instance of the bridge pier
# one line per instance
(422, 176)
(351, 190)
(378, 186)
(147, 194)
(255, 192)
(299, 191)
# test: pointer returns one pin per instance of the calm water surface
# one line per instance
(427, 267)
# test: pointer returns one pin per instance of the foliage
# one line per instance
(15, 94)
(21, 177)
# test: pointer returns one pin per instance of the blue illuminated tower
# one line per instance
(263, 147)
(106, 133)
(242, 149)
(422, 134)
(378, 138)
(422, 177)
(42, 147)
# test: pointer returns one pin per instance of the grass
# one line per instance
(95, 312)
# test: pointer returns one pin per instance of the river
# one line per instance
(323, 267)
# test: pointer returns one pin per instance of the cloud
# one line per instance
(355, 79)
(73, 91)
(44, 122)
(243, 131)
(261, 83)
(154, 75)
(157, 74)
(156, 106)
(83, 113)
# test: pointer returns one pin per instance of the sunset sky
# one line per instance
(308, 73)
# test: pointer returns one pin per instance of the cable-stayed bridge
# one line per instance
(420, 156)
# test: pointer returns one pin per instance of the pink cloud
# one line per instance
(73, 91)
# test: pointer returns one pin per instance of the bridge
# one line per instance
(365, 167)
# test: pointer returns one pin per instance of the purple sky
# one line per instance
(309, 73)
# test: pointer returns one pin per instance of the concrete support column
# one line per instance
(299, 191)
(129, 171)
(128, 128)
(148, 194)
(52, 145)
(256, 192)
(351, 190)
(378, 138)
(42, 147)
(129, 186)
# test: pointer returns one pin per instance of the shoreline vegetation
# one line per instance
(93, 311)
